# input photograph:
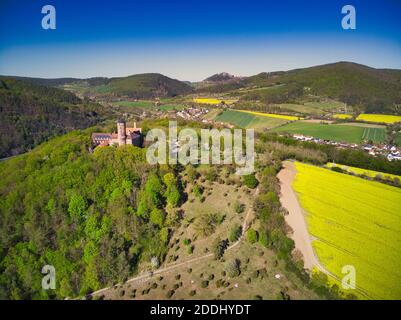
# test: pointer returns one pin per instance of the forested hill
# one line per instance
(373, 90)
(139, 86)
(93, 216)
(32, 113)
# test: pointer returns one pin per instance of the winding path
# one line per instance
(147, 275)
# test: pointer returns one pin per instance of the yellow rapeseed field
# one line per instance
(354, 222)
(365, 172)
(272, 115)
(342, 116)
(214, 101)
(380, 118)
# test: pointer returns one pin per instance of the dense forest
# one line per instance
(32, 113)
(93, 216)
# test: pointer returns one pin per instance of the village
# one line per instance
(390, 152)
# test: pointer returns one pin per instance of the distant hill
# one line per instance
(46, 82)
(147, 85)
(140, 86)
(31, 113)
(220, 77)
(372, 90)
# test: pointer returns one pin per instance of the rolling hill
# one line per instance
(370, 89)
(32, 113)
(138, 86)
(220, 77)
(147, 85)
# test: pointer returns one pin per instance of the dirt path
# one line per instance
(295, 218)
(147, 275)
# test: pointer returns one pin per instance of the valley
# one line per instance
(116, 227)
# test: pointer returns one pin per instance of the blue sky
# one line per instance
(193, 39)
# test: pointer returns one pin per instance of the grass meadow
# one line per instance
(335, 132)
(248, 120)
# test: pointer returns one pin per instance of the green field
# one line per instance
(374, 134)
(247, 120)
(146, 104)
(335, 132)
(354, 222)
(312, 107)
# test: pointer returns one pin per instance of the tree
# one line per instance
(77, 206)
(157, 217)
(206, 224)
(172, 193)
(218, 248)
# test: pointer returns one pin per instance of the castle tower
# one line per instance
(122, 138)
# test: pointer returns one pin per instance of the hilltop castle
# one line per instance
(123, 136)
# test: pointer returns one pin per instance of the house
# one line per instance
(124, 135)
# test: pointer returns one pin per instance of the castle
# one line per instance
(123, 136)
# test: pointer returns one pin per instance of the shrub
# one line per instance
(233, 268)
(219, 246)
(250, 181)
(205, 284)
(263, 238)
(235, 233)
(197, 191)
(170, 294)
(192, 293)
(252, 236)
(239, 207)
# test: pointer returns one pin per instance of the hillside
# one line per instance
(147, 85)
(87, 214)
(31, 113)
(220, 77)
(371, 90)
(138, 86)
